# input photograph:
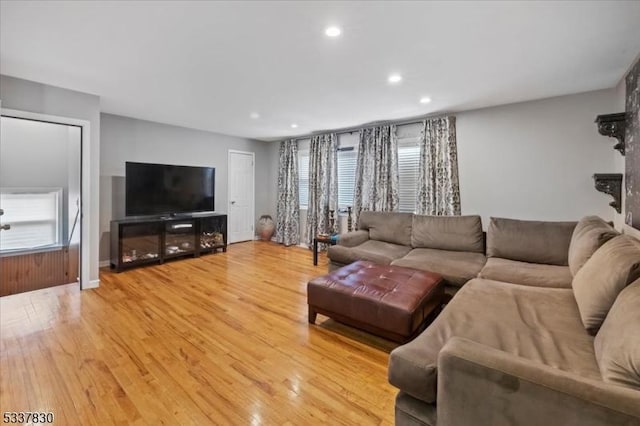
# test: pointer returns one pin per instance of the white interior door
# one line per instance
(241, 196)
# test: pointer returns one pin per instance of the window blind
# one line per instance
(347, 160)
(303, 178)
(408, 162)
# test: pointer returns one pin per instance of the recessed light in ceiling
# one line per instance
(394, 78)
(254, 115)
(425, 100)
(294, 126)
(333, 31)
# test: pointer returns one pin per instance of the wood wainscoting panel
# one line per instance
(222, 339)
(34, 271)
(73, 263)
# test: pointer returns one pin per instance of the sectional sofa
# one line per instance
(544, 327)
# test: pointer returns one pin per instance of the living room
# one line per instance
(508, 91)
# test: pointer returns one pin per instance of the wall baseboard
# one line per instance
(104, 263)
(92, 284)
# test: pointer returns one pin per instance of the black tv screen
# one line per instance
(155, 189)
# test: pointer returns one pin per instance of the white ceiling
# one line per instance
(209, 65)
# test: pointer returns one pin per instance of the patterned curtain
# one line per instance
(288, 217)
(438, 185)
(376, 186)
(323, 184)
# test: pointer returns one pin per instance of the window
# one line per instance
(303, 178)
(347, 160)
(34, 216)
(408, 162)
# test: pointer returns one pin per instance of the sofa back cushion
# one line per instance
(530, 241)
(590, 233)
(387, 226)
(597, 284)
(617, 344)
(456, 233)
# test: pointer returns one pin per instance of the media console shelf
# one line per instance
(143, 240)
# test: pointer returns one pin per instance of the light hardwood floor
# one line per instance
(222, 339)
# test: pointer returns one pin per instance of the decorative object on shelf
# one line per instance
(266, 227)
(332, 222)
(218, 238)
(613, 125)
(349, 219)
(611, 184)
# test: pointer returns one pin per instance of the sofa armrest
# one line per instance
(354, 238)
(482, 385)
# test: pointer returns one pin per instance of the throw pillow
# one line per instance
(597, 284)
(590, 234)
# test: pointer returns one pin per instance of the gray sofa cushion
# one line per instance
(386, 226)
(617, 344)
(534, 274)
(459, 233)
(602, 278)
(372, 250)
(539, 324)
(530, 241)
(590, 233)
(456, 267)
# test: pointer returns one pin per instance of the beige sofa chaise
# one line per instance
(503, 353)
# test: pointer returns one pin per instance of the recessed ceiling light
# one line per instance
(333, 31)
(294, 126)
(395, 78)
(425, 100)
(254, 115)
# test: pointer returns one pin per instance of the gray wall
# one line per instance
(40, 98)
(128, 139)
(535, 160)
(531, 160)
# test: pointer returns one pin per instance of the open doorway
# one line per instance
(40, 204)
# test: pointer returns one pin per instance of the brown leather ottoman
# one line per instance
(390, 301)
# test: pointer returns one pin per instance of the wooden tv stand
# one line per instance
(144, 240)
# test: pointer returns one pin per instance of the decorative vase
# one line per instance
(266, 227)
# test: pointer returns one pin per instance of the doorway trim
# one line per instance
(85, 183)
(253, 187)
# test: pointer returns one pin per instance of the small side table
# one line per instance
(330, 239)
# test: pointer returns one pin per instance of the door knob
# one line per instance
(5, 227)
(233, 202)
(1, 212)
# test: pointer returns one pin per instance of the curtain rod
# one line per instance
(344, 130)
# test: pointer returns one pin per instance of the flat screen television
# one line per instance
(157, 189)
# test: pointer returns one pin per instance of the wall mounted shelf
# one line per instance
(613, 125)
(611, 184)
